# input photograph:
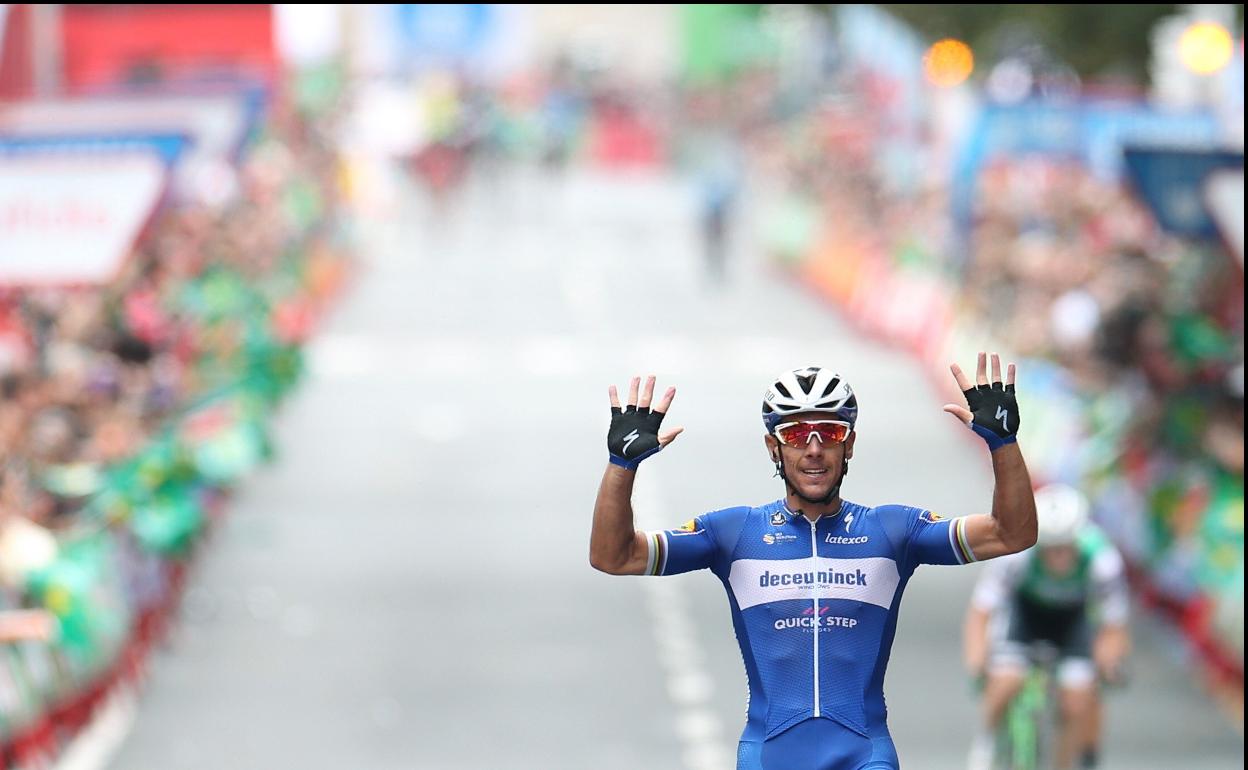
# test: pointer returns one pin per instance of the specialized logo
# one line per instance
(771, 538)
(930, 517)
(778, 519)
(1003, 416)
(629, 439)
(840, 540)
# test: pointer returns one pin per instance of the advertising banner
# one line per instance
(73, 219)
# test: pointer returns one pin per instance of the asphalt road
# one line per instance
(408, 586)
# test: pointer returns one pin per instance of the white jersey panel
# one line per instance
(761, 581)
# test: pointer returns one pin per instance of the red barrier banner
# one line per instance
(109, 45)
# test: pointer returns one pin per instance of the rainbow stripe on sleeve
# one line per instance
(656, 558)
(957, 537)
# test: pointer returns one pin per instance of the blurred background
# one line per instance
(307, 316)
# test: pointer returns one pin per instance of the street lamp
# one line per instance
(948, 63)
(1205, 47)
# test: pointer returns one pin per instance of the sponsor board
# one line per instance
(73, 219)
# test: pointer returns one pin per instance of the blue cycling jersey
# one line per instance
(814, 606)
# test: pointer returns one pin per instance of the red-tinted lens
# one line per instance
(799, 433)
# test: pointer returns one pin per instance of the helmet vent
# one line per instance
(807, 381)
(783, 390)
(831, 386)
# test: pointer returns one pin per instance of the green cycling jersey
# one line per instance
(1096, 579)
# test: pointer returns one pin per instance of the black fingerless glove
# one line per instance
(996, 413)
(634, 435)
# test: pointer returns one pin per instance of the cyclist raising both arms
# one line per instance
(814, 581)
(1070, 592)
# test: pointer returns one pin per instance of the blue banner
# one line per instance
(445, 33)
(1094, 134)
(168, 147)
(1172, 183)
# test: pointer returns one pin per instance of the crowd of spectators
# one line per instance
(1149, 328)
(129, 409)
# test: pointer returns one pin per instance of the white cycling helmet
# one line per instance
(809, 389)
(1061, 513)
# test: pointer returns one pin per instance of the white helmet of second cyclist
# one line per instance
(1061, 513)
(809, 389)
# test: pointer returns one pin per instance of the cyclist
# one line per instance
(1069, 591)
(814, 581)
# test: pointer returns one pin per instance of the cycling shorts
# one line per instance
(1067, 629)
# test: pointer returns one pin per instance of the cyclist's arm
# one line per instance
(1112, 644)
(992, 412)
(996, 584)
(1011, 527)
(1110, 591)
(1113, 639)
(615, 547)
(975, 639)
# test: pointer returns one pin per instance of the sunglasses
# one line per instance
(800, 433)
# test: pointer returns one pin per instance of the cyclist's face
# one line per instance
(814, 469)
(1058, 559)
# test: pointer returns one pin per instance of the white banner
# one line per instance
(214, 124)
(73, 220)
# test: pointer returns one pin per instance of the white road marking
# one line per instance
(688, 684)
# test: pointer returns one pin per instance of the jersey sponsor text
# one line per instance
(842, 540)
(872, 580)
(830, 577)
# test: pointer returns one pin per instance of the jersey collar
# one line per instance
(790, 514)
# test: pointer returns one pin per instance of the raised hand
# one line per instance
(993, 407)
(634, 434)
